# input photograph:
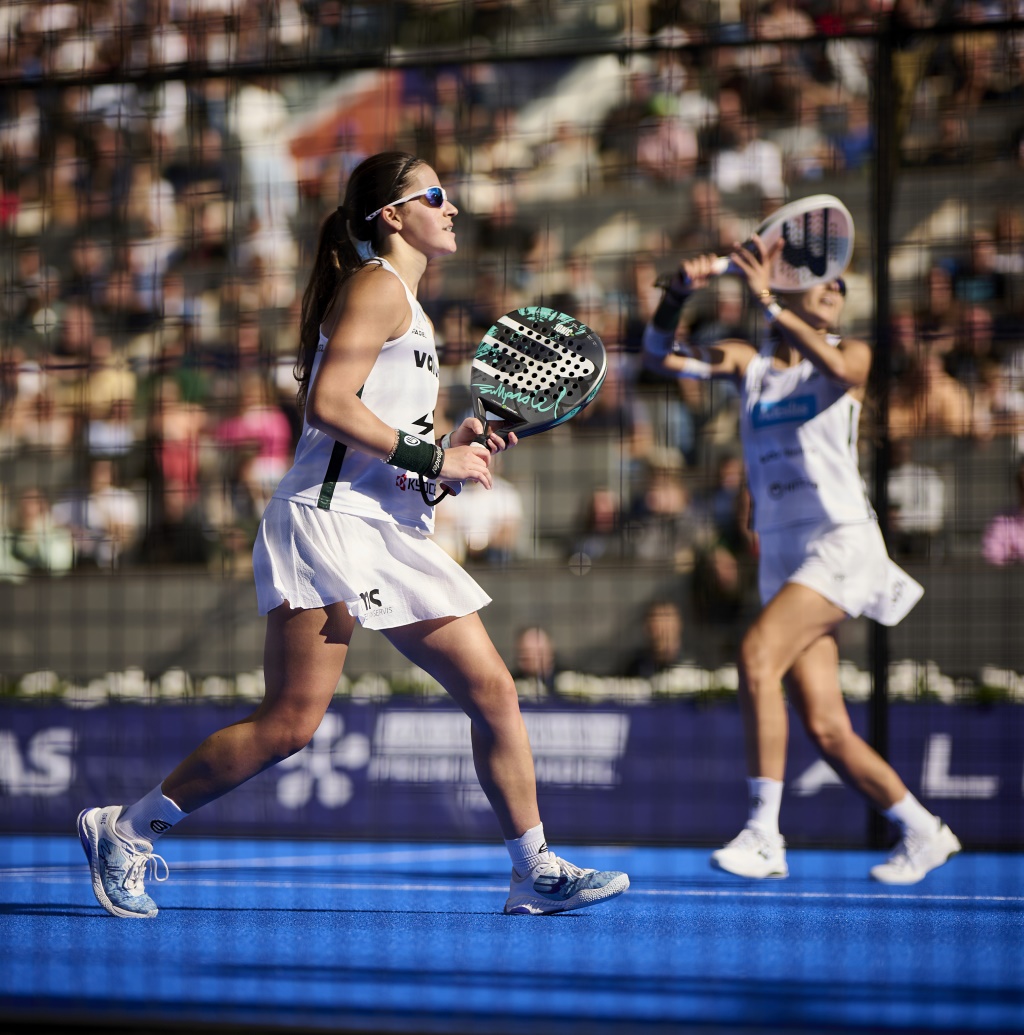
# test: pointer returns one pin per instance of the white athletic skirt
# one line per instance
(846, 564)
(386, 575)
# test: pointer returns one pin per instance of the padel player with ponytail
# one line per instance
(346, 539)
(822, 558)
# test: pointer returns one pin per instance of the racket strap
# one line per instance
(437, 499)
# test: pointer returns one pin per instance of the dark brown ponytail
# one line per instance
(376, 181)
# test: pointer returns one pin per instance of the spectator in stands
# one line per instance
(917, 503)
(599, 536)
(979, 280)
(535, 665)
(1008, 235)
(104, 521)
(38, 541)
(854, 143)
(973, 348)
(927, 401)
(745, 159)
(663, 647)
(1002, 542)
(1000, 396)
(666, 149)
(257, 444)
(938, 317)
(619, 411)
(176, 435)
(489, 523)
(663, 525)
(725, 568)
(709, 226)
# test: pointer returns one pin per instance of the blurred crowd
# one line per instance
(155, 233)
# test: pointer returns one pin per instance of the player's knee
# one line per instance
(283, 736)
(496, 702)
(832, 734)
(757, 668)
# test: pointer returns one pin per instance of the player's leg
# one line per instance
(813, 685)
(459, 654)
(792, 620)
(303, 657)
(926, 842)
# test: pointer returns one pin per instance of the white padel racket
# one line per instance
(534, 369)
(818, 243)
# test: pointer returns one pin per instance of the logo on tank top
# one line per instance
(779, 489)
(425, 359)
(786, 411)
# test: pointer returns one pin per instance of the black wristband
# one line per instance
(666, 316)
(413, 454)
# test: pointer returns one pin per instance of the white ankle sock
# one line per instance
(528, 850)
(765, 804)
(910, 814)
(149, 817)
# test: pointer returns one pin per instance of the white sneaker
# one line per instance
(556, 886)
(916, 855)
(753, 853)
(118, 865)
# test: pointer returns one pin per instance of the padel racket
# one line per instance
(534, 369)
(817, 232)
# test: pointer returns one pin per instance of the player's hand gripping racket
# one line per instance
(534, 369)
(817, 235)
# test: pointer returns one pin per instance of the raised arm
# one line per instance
(803, 321)
(669, 353)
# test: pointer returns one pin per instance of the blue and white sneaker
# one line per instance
(118, 865)
(556, 885)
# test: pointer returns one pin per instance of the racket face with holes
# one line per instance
(534, 369)
(818, 242)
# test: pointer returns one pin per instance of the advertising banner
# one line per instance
(669, 772)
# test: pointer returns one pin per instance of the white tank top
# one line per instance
(401, 389)
(799, 432)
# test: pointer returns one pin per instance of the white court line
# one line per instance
(270, 862)
(816, 896)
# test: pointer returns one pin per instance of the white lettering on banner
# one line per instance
(47, 768)
(936, 781)
(569, 749)
(816, 777)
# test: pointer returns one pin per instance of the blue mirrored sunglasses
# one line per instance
(436, 197)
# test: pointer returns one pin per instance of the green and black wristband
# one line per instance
(413, 454)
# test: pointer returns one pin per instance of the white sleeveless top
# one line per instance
(799, 433)
(401, 389)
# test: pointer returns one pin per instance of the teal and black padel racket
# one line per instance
(534, 369)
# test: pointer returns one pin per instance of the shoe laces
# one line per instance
(910, 845)
(569, 869)
(751, 837)
(137, 870)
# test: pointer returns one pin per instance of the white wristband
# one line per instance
(772, 311)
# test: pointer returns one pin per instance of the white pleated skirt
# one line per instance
(386, 575)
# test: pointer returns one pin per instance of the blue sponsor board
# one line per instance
(669, 772)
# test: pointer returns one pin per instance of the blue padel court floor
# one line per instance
(411, 938)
